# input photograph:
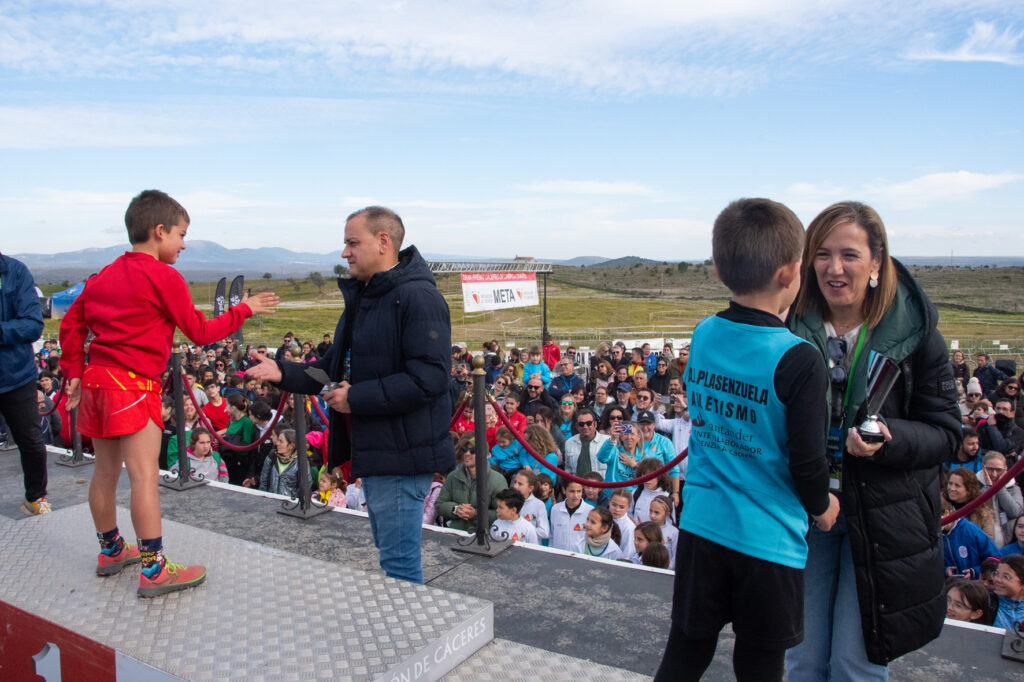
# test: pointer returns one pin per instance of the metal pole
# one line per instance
(302, 508)
(481, 541)
(544, 334)
(76, 458)
(184, 480)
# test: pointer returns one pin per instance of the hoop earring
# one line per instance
(873, 280)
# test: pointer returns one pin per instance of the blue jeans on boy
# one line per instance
(833, 646)
(395, 506)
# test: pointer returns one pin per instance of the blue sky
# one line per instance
(550, 129)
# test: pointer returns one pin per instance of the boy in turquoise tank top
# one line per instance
(757, 465)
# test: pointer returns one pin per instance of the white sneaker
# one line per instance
(40, 506)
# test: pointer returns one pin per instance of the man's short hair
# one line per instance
(751, 240)
(982, 354)
(380, 219)
(148, 209)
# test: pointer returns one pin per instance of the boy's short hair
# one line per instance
(593, 476)
(751, 240)
(148, 209)
(512, 498)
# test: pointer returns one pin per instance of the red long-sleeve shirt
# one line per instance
(133, 306)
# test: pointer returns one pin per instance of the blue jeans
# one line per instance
(395, 506)
(833, 646)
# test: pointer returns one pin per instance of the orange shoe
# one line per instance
(172, 578)
(112, 565)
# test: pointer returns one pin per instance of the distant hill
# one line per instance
(627, 260)
(588, 261)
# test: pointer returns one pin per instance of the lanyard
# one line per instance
(853, 365)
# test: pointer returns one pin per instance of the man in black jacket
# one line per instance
(999, 432)
(390, 412)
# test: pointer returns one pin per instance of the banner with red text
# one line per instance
(498, 290)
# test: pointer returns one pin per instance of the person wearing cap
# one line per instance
(972, 395)
(658, 446)
(624, 398)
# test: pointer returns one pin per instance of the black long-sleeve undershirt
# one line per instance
(800, 383)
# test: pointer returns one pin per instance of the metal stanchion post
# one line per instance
(184, 480)
(302, 508)
(76, 458)
(481, 542)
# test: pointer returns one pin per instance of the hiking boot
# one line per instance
(172, 578)
(112, 565)
(40, 506)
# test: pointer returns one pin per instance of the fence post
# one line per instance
(481, 541)
(302, 508)
(184, 480)
(76, 458)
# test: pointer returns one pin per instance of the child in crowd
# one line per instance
(240, 431)
(536, 366)
(281, 470)
(968, 601)
(512, 402)
(642, 496)
(204, 462)
(662, 512)
(988, 574)
(602, 535)
(655, 555)
(132, 307)
(742, 548)
(964, 546)
(533, 510)
(356, 499)
(543, 444)
(1009, 582)
(429, 509)
(618, 505)
(1017, 546)
(593, 495)
(510, 525)
(569, 520)
(645, 534)
(506, 453)
(216, 408)
(332, 488)
(545, 490)
(465, 423)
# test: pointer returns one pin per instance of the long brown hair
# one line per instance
(877, 300)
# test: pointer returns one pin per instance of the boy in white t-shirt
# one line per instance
(569, 520)
(509, 525)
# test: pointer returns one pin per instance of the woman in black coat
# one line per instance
(874, 583)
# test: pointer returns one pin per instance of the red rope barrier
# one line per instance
(205, 421)
(585, 481)
(56, 403)
(981, 499)
(319, 411)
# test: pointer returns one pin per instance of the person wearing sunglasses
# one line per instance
(873, 584)
(581, 450)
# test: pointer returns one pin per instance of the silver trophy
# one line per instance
(882, 376)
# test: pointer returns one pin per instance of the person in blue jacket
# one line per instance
(21, 323)
(392, 358)
(964, 547)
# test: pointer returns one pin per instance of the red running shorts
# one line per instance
(117, 402)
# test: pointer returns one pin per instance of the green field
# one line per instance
(586, 305)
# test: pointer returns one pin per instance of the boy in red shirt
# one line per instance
(132, 306)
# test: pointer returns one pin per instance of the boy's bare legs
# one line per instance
(138, 453)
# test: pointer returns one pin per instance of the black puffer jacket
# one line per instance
(401, 362)
(891, 500)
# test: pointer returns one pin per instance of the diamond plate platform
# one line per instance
(513, 662)
(263, 613)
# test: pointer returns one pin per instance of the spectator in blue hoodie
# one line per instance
(536, 365)
(964, 547)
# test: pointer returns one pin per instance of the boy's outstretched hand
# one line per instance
(265, 368)
(261, 302)
(825, 521)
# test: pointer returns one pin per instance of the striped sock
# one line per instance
(111, 542)
(152, 551)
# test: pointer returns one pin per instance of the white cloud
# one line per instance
(939, 187)
(984, 43)
(588, 187)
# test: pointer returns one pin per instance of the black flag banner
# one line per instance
(234, 298)
(218, 297)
